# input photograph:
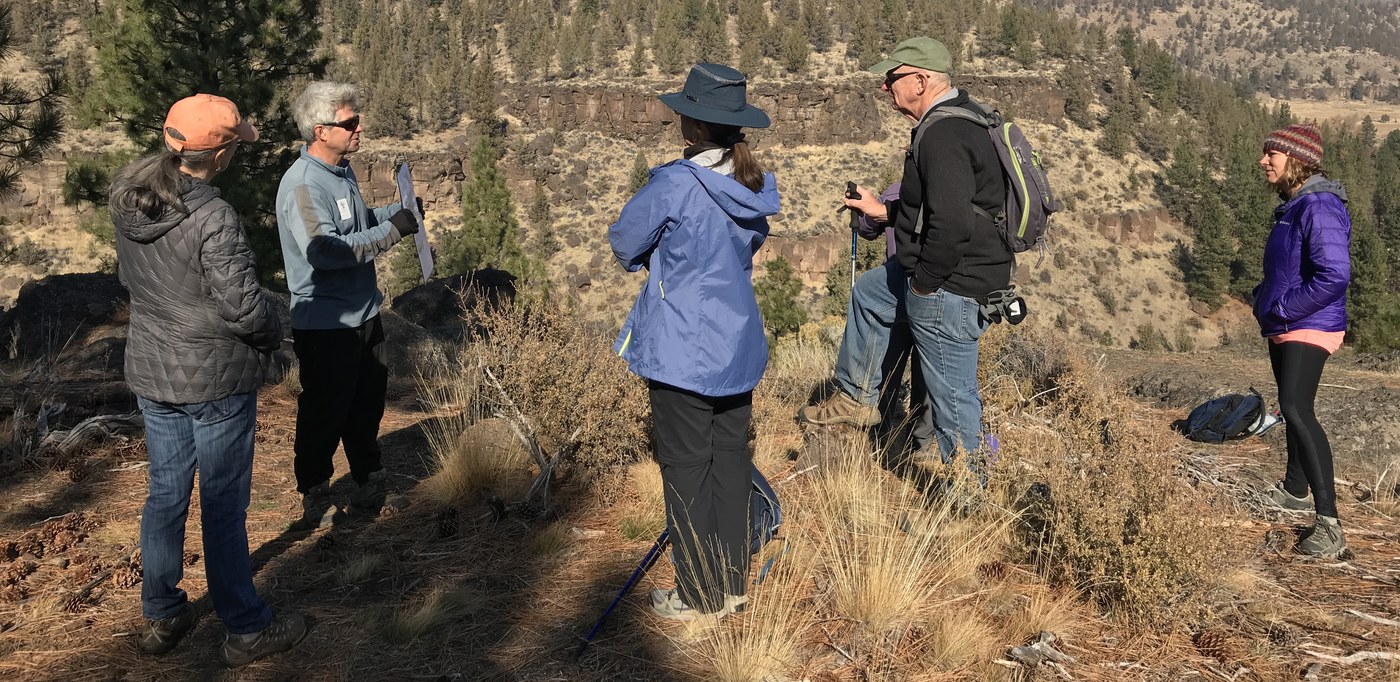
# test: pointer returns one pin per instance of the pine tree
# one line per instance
(637, 66)
(152, 53)
(489, 236)
(711, 41)
(1251, 203)
(32, 121)
(777, 291)
(1078, 97)
(816, 25)
(1122, 112)
(668, 47)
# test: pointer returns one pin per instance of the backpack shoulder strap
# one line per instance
(974, 111)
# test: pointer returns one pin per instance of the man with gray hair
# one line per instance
(329, 242)
(949, 259)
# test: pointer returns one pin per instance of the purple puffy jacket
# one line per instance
(1307, 262)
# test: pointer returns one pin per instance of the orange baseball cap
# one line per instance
(201, 123)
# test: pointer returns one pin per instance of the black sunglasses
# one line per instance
(891, 77)
(348, 125)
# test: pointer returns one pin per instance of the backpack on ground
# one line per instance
(1237, 415)
(1025, 215)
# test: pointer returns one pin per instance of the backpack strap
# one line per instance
(938, 114)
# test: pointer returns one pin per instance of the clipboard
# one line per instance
(404, 179)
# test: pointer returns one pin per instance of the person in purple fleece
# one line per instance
(1301, 307)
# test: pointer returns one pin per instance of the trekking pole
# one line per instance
(851, 193)
(637, 574)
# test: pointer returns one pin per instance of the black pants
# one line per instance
(1298, 369)
(702, 445)
(343, 382)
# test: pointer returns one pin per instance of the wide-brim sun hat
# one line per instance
(715, 93)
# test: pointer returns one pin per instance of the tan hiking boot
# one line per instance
(840, 409)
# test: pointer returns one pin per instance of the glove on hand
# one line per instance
(404, 222)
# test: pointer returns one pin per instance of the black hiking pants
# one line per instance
(1298, 369)
(343, 382)
(702, 445)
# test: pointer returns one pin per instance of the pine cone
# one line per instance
(190, 558)
(125, 577)
(1214, 644)
(1282, 634)
(992, 570)
(448, 523)
(75, 603)
(15, 572)
(12, 593)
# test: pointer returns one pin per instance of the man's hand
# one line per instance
(869, 203)
(404, 222)
(914, 287)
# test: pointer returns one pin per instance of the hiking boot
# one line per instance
(162, 635)
(1325, 540)
(368, 497)
(669, 605)
(1281, 498)
(840, 409)
(283, 633)
(317, 510)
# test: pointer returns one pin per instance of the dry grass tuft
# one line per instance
(480, 459)
(552, 540)
(437, 608)
(359, 569)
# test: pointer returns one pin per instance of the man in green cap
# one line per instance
(949, 257)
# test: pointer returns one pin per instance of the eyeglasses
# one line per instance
(349, 125)
(891, 77)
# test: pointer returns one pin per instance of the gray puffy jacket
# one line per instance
(199, 322)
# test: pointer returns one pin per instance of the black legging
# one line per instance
(1297, 370)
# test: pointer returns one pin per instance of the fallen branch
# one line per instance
(517, 421)
(1373, 619)
(1353, 659)
(1349, 388)
(93, 430)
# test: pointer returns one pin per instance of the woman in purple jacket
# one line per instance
(1301, 307)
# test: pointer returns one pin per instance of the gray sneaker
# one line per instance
(840, 409)
(1285, 500)
(285, 632)
(162, 635)
(1325, 540)
(317, 510)
(368, 497)
(668, 604)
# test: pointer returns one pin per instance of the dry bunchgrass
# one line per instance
(481, 459)
(552, 540)
(641, 511)
(440, 606)
(764, 642)
(359, 569)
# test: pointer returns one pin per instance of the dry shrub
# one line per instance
(642, 510)
(561, 374)
(1109, 512)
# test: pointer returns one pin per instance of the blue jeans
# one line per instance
(217, 438)
(946, 328)
(877, 342)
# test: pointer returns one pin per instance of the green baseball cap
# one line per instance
(921, 51)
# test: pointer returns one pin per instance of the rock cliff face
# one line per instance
(1131, 228)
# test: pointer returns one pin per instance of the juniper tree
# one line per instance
(777, 290)
(641, 173)
(152, 53)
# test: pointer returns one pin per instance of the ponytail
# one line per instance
(747, 170)
(151, 184)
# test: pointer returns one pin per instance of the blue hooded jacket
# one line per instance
(696, 324)
(1307, 262)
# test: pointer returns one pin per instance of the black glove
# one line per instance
(404, 222)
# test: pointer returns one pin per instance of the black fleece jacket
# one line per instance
(959, 251)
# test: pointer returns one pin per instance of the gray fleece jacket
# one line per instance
(329, 242)
(199, 322)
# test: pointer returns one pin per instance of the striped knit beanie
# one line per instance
(1300, 141)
